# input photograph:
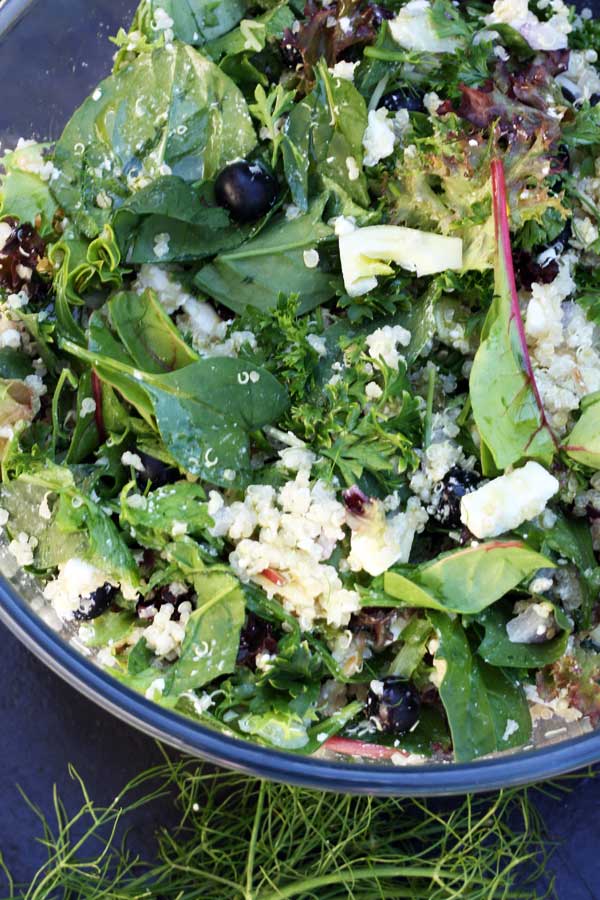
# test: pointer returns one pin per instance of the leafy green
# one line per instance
(268, 110)
(506, 403)
(168, 112)
(204, 412)
(198, 21)
(584, 129)
(583, 443)
(195, 226)
(152, 517)
(498, 650)
(271, 264)
(481, 702)
(468, 580)
(322, 145)
(212, 633)
(23, 193)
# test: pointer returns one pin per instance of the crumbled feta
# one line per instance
(352, 167)
(155, 690)
(413, 29)
(379, 137)
(511, 728)
(432, 102)
(550, 35)
(373, 391)
(133, 460)
(506, 502)
(383, 344)
(344, 69)
(163, 22)
(161, 245)
(581, 78)
(22, 548)
(4, 517)
(318, 344)
(44, 511)
(165, 635)
(76, 580)
(311, 258)
(378, 542)
(88, 406)
(10, 338)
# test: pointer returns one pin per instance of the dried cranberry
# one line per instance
(394, 704)
(94, 604)
(356, 501)
(257, 637)
(21, 249)
(147, 607)
(529, 271)
(455, 485)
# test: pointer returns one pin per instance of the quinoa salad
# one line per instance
(300, 370)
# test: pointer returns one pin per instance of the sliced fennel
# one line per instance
(366, 253)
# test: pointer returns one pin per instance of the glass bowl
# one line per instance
(52, 54)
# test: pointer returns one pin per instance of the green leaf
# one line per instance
(140, 658)
(498, 650)
(481, 702)
(212, 634)
(584, 129)
(271, 264)
(204, 412)
(198, 21)
(148, 334)
(14, 364)
(504, 397)
(196, 227)
(23, 193)
(466, 581)
(171, 111)
(583, 443)
(153, 518)
(321, 135)
(109, 629)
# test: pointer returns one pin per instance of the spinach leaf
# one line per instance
(198, 21)
(109, 629)
(466, 581)
(212, 634)
(506, 403)
(196, 227)
(22, 501)
(14, 364)
(486, 707)
(498, 650)
(154, 515)
(271, 264)
(85, 437)
(140, 658)
(204, 412)
(23, 193)
(148, 334)
(322, 146)
(169, 112)
(569, 538)
(583, 443)
(238, 53)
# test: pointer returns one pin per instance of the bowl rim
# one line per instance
(188, 736)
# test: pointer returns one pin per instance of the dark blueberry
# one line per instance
(455, 485)
(291, 56)
(156, 473)
(394, 704)
(380, 13)
(247, 190)
(148, 606)
(569, 96)
(356, 502)
(96, 603)
(256, 637)
(594, 99)
(400, 99)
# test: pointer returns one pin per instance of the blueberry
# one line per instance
(147, 607)
(290, 55)
(247, 190)
(381, 13)
(256, 637)
(399, 99)
(453, 488)
(394, 704)
(594, 99)
(95, 603)
(569, 96)
(156, 473)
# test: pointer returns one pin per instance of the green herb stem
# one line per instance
(431, 380)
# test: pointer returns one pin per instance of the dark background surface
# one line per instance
(48, 63)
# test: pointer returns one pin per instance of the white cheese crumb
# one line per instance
(344, 69)
(352, 167)
(511, 728)
(379, 137)
(383, 343)
(413, 29)
(88, 406)
(161, 245)
(317, 343)
(22, 548)
(506, 502)
(132, 459)
(311, 258)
